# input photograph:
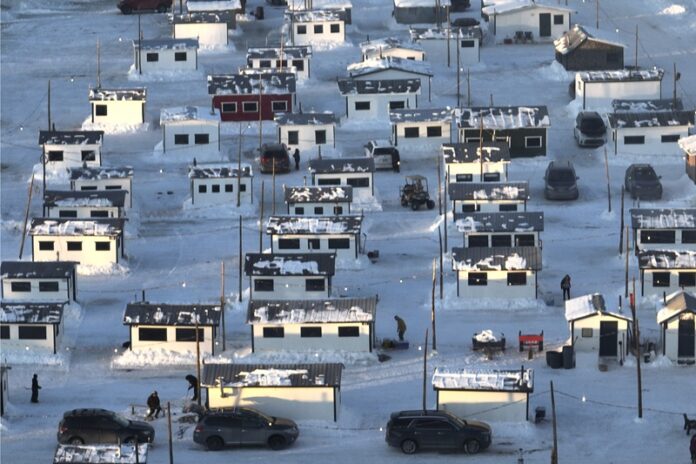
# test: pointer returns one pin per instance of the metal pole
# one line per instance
(636, 338)
(554, 450)
(260, 114)
(222, 302)
(261, 219)
(439, 183)
(621, 228)
(606, 165)
(239, 169)
(425, 369)
(273, 189)
(597, 18)
(26, 216)
(198, 359)
(140, 47)
(239, 298)
(432, 306)
(439, 236)
(636, 57)
(169, 427)
(468, 87)
(626, 280)
(98, 67)
(49, 104)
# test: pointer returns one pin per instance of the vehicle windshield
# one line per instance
(275, 154)
(561, 175)
(382, 151)
(592, 125)
(122, 421)
(645, 174)
(262, 416)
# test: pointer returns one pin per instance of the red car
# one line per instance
(129, 6)
(274, 154)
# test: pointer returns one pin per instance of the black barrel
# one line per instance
(568, 357)
(554, 359)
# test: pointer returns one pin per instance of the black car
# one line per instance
(129, 6)
(244, 426)
(90, 426)
(415, 430)
(560, 181)
(274, 158)
(642, 182)
(465, 22)
(589, 129)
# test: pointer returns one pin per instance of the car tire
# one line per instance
(409, 447)
(277, 442)
(162, 8)
(404, 203)
(214, 443)
(126, 10)
(77, 441)
(431, 204)
(472, 446)
(414, 206)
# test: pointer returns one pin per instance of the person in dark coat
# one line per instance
(692, 448)
(396, 161)
(565, 286)
(153, 403)
(35, 387)
(296, 157)
(193, 385)
(400, 327)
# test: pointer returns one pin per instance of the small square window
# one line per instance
(279, 106)
(215, 188)
(671, 138)
(310, 332)
(319, 210)
(243, 188)
(478, 241)
(320, 137)
(524, 240)
(397, 105)
(229, 107)
(660, 279)
(288, 243)
(464, 177)
(349, 331)
(100, 110)
(48, 286)
(318, 28)
(5, 332)
(507, 207)
(265, 64)
(339, 243)
(293, 137)
(338, 210)
(467, 44)
(180, 56)
(558, 19)
(335, 28)
(67, 213)
(688, 236)
(687, 279)
(586, 332)
(88, 155)
(517, 278)
(533, 142)
(250, 107)
(201, 139)
(189, 335)
(54, 156)
(634, 140)
(152, 57)
(491, 177)
(181, 139)
(102, 246)
(273, 332)
(298, 64)
(299, 210)
(411, 132)
(202, 189)
(362, 106)
(470, 208)
(301, 29)
(434, 131)
(477, 279)
(229, 188)
(99, 213)
(74, 246)
(263, 285)
(501, 240)
(46, 246)
(314, 244)
(21, 287)
(315, 285)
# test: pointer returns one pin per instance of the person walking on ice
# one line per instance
(565, 286)
(296, 157)
(400, 327)
(153, 404)
(35, 387)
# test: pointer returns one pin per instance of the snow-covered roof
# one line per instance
(578, 35)
(622, 75)
(249, 83)
(85, 198)
(504, 117)
(187, 113)
(314, 16)
(506, 221)
(136, 94)
(100, 454)
(294, 52)
(306, 119)
(466, 379)
(325, 225)
(213, 5)
(388, 43)
(272, 375)
(165, 43)
(71, 137)
(290, 264)
(31, 313)
(341, 165)
(648, 105)
(453, 33)
(379, 86)
(37, 269)
(319, 194)
(488, 152)
(667, 259)
(489, 191)
(676, 304)
(407, 115)
(587, 305)
(331, 310)
(496, 259)
(688, 144)
(77, 227)
(663, 218)
(204, 17)
(295, 5)
(655, 119)
(100, 173)
(143, 313)
(376, 65)
(421, 3)
(520, 6)
(219, 170)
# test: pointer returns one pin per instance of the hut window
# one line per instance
(102, 246)
(472, 139)
(491, 177)
(298, 64)
(48, 286)
(181, 139)
(339, 243)
(660, 279)
(299, 210)
(21, 286)
(411, 132)
(314, 285)
(88, 155)
(535, 141)
(320, 137)
(338, 210)
(5, 332)
(397, 105)
(464, 177)
(314, 244)
(688, 236)
(201, 139)
(180, 56)
(265, 64)
(434, 131)
(289, 243)
(280, 105)
(558, 19)
(152, 57)
(229, 188)
(215, 188)
(671, 138)
(501, 240)
(250, 107)
(100, 110)
(293, 137)
(358, 182)
(242, 188)
(478, 279)
(468, 44)
(99, 213)
(634, 140)
(335, 28)
(329, 181)
(67, 213)
(310, 332)
(88, 187)
(189, 335)
(301, 29)
(478, 241)
(45, 246)
(263, 285)
(273, 332)
(31, 332)
(657, 236)
(55, 155)
(113, 187)
(229, 107)
(517, 278)
(146, 334)
(349, 331)
(586, 332)
(687, 279)
(524, 240)
(202, 189)
(319, 210)
(74, 246)
(318, 28)
(362, 106)
(470, 208)
(507, 207)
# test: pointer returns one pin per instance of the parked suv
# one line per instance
(385, 155)
(244, 426)
(415, 430)
(129, 6)
(274, 154)
(590, 129)
(89, 426)
(560, 181)
(642, 182)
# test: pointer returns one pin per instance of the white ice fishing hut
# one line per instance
(463, 41)
(219, 184)
(307, 132)
(392, 67)
(375, 99)
(593, 328)
(475, 162)
(103, 179)
(31, 327)
(165, 55)
(526, 21)
(295, 58)
(505, 229)
(289, 276)
(118, 106)
(421, 129)
(488, 197)
(71, 148)
(209, 28)
(663, 229)
(357, 173)
(190, 129)
(327, 234)
(677, 329)
(391, 46)
(318, 201)
(596, 89)
(649, 133)
(309, 27)
(663, 272)
(38, 282)
(84, 204)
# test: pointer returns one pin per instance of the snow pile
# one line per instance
(83, 227)
(115, 128)
(34, 357)
(673, 10)
(363, 201)
(555, 72)
(288, 266)
(452, 302)
(268, 378)
(164, 76)
(485, 336)
(113, 269)
(86, 202)
(498, 380)
(327, 313)
(223, 210)
(154, 357)
(351, 358)
(688, 144)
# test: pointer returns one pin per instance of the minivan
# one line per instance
(560, 181)
(274, 158)
(129, 6)
(590, 129)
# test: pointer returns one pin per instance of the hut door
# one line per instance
(545, 25)
(686, 338)
(608, 338)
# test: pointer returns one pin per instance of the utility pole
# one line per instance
(444, 188)
(140, 48)
(621, 225)
(439, 236)
(636, 57)
(626, 279)
(468, 87)
(222, 302)
(26, 216)
(636, 345)
(597, 16)
(261, 113)
(606, 165)
(261, 219)
(439, 184)
(98, 66)
(677, 76)
(425, 369)
(239, 297)
(43, 149)
(239, 168)
(198, 358)
(169, 429)
(273, 201)
(432, 306)
(554, 450)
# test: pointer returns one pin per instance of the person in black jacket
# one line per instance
(296, 157)
(153, 404)
(193, 385)
(565, 286)
(35, 387)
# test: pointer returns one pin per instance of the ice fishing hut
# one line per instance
(209, 28)
(584, 48)
(103, 179)
(118, 106)
(357, 173)
(84, 204)
(593, 328)
(241, 97)
(488, 197)
(392, 67)
(663, 229)
(311, 27)
(293, 58)
(688, 146)
(596, 89)
(501, 229)
(649, 133)
(38, 282)
(318, 201)
(525, 21)
(71, 148)
(165, 55)
(375, 99)
(391, 46)
(190, 130)
(421, 129)
(32, 327)
(666, 271)
(476, 162)
(289, 276)
(221, 184)
(322, 234)
(677, 329)
(307, 132)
